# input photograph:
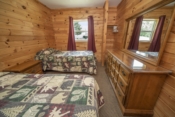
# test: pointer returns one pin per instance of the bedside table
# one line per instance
(31, 67)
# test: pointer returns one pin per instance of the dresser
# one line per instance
(137, 84)
(31, 67)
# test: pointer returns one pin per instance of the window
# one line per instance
(81, 30)
(147, 29)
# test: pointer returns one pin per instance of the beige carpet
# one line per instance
(111, 107)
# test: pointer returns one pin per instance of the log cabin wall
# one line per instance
(112, 16)
(110, 37)
(111, 22)
(61, 26)
(166, 103)
(25, 28)
(60, 20)
(165, 106)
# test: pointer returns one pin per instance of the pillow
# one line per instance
(46, 52)
(51, 50)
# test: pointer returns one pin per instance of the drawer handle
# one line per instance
(123, 73)
(121, 84)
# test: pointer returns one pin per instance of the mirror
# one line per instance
(146, 33)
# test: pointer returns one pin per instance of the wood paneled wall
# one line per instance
(112, 15)
(60, 20)
(25, 28)
(111, 36)
(81, 46)
(166, 103)
(111, 22)
(165, 106)
(61, 26)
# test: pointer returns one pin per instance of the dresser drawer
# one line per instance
(113, 69)
(116, 75)
(123, 85)
(112, 76)
(113, 61)
(115, 82)
(117, 65)
(35, 69)
(120, 94)
(124, 73)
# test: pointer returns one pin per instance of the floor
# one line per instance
(111, 107)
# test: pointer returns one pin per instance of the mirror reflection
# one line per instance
(138, 65)
(146, 33)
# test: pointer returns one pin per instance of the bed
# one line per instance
(67, 61)
(49, 95)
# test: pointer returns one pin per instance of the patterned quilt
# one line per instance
(68, 61)
(49, 95)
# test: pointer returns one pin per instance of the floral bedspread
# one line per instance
(69, 61)
(49, 95)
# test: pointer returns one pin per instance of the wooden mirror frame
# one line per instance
(149, 60)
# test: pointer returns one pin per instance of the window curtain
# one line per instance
(71, 38)
(134, 42)
(155, 44)
(91, 37)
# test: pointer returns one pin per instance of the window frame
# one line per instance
(153, 29)
(79, 20)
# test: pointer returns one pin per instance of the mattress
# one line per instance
(49, 95)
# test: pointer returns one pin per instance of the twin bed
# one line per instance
(49, 95)
(67, 61)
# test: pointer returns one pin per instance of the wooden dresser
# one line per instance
(32, 67)
(136, 84)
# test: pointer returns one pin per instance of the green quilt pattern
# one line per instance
(69, 61)
(49, 95)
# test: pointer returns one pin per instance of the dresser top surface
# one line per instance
(136, 65)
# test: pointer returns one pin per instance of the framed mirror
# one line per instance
(147, 33)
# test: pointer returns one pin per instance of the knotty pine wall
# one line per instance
(111, 36)
(111, 22)
(165, 106)
(112, 15)
(25, 28)
(60, 18)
